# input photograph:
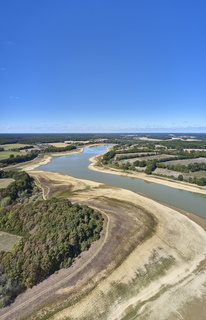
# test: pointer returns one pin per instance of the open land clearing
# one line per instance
(10, 146)
(5, 182)
(148, 264)
(7, 240)
(187, 161)
(6, 154)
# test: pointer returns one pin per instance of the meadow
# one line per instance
(6, 154)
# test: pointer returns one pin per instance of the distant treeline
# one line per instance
(52, 138)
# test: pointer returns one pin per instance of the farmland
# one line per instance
(11, 146)
(5, 182)
(6, 154)
(174, 159)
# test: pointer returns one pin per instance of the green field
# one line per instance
(6, 154)
(197, 174)
(7, 240)
(13, 146)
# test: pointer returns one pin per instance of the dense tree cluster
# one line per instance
(108, 156)
(18, 191)
(22, 148)
(59, 149)
(55, 232)
(18, 159)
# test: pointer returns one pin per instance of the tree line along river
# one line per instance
(76, 165)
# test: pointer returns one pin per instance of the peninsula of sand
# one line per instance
(150, 262)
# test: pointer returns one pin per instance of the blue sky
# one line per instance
(102, 66)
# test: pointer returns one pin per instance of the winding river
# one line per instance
(76, 165)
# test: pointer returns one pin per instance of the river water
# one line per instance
(76, 165)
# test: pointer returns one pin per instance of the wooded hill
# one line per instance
(54, 232)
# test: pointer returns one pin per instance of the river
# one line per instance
(76, 165)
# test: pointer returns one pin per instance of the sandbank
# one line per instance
(144, 176)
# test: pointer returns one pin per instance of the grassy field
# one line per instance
(186, 161)
(166, 172)
(5, 182)
(7, 240)
(13, 146)
(6, 154)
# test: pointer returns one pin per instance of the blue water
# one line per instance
(76, 165)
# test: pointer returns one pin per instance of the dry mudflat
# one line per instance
(148, 264)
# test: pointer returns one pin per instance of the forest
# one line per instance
(54, 232)
(20, 190)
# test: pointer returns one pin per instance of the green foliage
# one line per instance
(18, 159)
(180, 177)
(62, 149)
(19, 190)
(55, 232)
(151, 166)
(108, 156)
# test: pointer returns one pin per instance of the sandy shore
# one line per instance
(150, 178)
(46, 159)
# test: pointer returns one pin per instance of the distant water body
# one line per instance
(76, 165)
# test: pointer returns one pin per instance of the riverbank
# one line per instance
(34, 164)
(150, 178)
(164, 271)
(93, 166)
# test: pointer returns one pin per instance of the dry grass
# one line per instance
(10, 146)
(59, 144)
(186, 161)
(6, 154)
(7, 241)
(5, 182)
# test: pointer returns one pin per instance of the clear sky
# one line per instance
(102, 66)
